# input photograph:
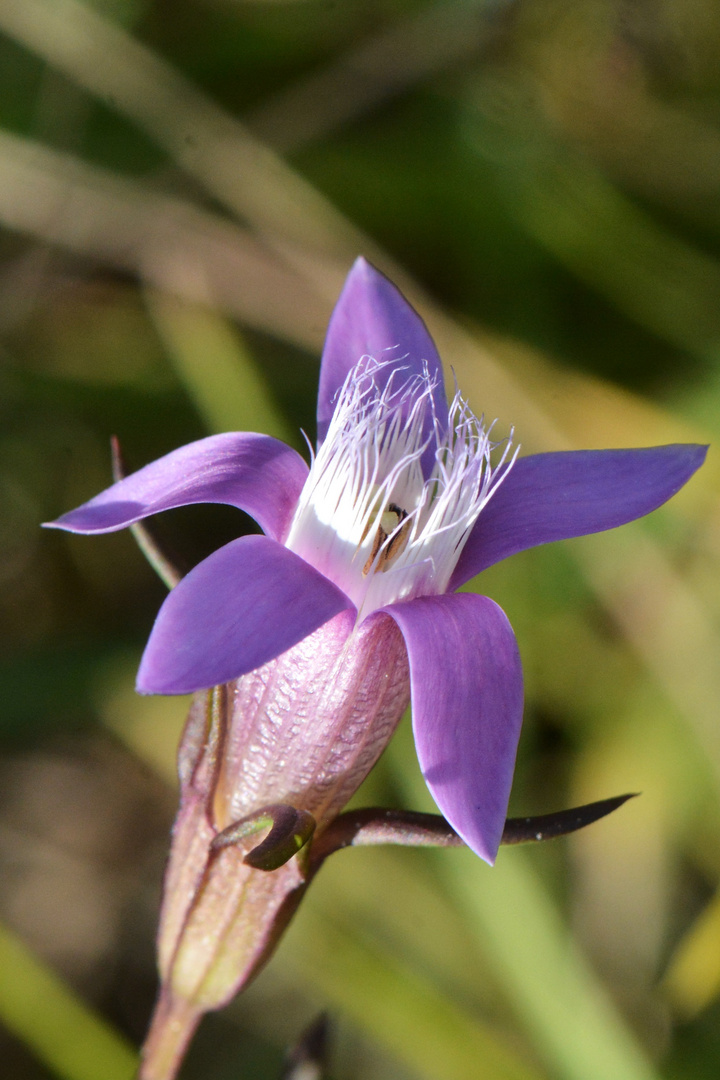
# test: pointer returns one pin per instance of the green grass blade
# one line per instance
(546, 978)
(400, 1008)
(45, 1014)
(214, 365)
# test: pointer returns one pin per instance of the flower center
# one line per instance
(378, 515)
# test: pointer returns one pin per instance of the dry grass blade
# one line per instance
(167, 241)
(238, 169)
(429, 41)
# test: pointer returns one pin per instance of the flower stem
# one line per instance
(173, 1025)
(143, 536)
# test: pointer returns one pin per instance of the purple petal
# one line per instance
(556, 496)
(241, 607)
(256, 473)
(373, 318)
(467, 703)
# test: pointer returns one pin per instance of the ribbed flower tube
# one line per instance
(304, 729)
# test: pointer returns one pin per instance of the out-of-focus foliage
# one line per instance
(183, 185)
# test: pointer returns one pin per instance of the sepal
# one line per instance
(290, 831)
(408, 828)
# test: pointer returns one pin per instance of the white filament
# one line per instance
(370, 466)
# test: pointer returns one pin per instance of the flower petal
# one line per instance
(242, 606)
(467, 703)
(556, 496)
(373, 318)
(256, 473)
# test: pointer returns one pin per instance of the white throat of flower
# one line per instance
(367, 518)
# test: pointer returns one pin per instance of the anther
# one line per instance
(390, 538)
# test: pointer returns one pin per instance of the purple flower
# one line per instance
(406, 499)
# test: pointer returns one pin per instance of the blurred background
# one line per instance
(183, 186)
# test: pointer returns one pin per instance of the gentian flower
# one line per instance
(405, 500)
(316, 634)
